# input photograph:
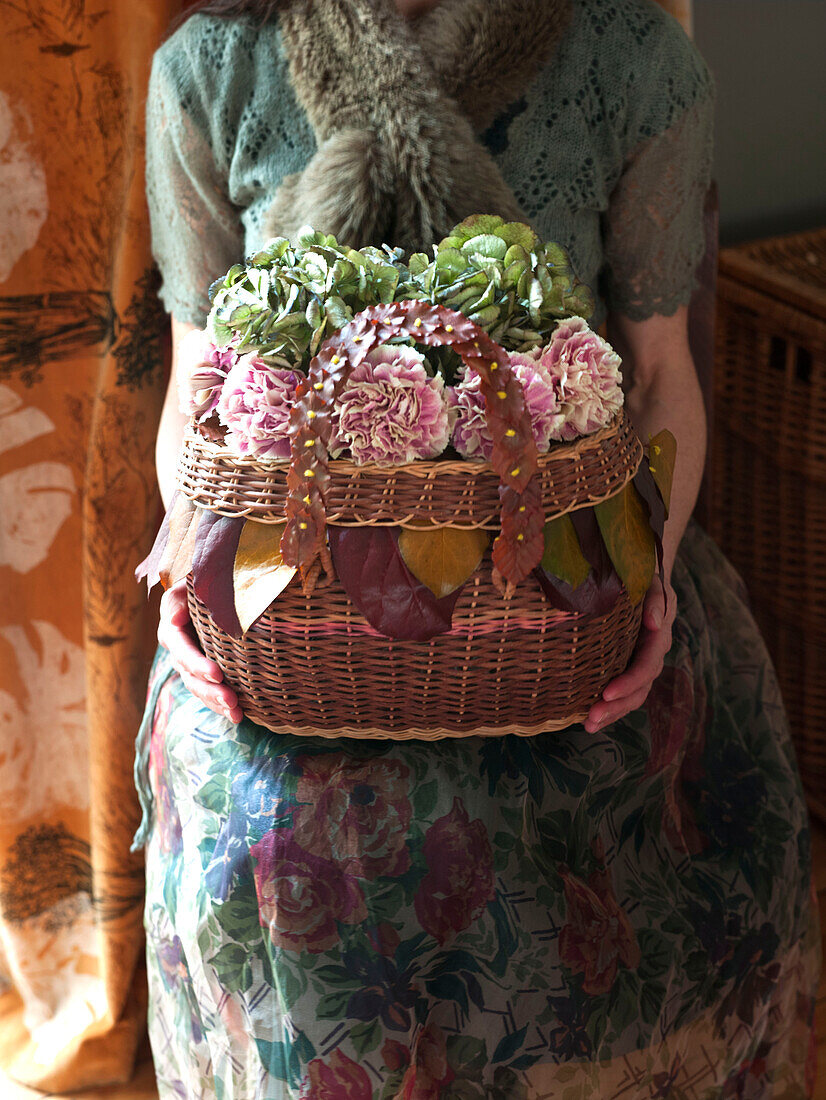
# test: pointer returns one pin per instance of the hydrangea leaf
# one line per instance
(563, 556)
(488, 245)
(259, 574)
(374, 576)
(443, 558)
(662, 454)
(628, 537)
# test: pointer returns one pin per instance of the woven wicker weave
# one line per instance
(447, 494)
(508, 664)
(769, 461)
(315, 666)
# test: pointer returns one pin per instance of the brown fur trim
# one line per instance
(486, 54)
(397, 160)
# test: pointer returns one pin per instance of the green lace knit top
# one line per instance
(608, 152)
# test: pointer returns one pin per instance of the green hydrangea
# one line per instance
(284, 300)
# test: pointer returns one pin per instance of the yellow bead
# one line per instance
(309, 473)
(494, 366)
(418, 322)
(309, 442)
(318, 386)
(307, 499)
(521, 507)
(335, 359)
(303, 526)
(310, 414)
(356, 339)
(510, 432)
(520, 538)
(515, 472)
(653, 469)
(501, 395)
(448, 328)
(656, 449)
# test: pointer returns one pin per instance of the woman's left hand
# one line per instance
(629, 691)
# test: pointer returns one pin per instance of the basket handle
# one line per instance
(520, 545)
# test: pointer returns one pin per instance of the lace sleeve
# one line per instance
(196, 231)
(653, 231)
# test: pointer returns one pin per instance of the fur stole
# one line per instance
(396, 106)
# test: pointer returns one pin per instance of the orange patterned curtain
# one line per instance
(81, 383)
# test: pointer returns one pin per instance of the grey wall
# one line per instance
(769, 61)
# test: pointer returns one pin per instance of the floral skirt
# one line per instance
(627, 914)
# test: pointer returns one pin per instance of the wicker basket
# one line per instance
(509, 663)
(769, 461)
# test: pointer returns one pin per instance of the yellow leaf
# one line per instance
(259, 575)
(629, 540)
(443, 558)
(563, 555)
(662, 454)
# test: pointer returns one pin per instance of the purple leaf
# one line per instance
(648, 489)
(212, 563)
(149, 567)
(589, 598)
(607, 585)
(374, 576)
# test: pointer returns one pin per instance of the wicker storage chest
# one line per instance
(769, 465)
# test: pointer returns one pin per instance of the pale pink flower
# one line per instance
(255, 406)
(471, 436)
(586, 373)
(391, 411)
(201, 375)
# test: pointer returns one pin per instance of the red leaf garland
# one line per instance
(374, 576)
(514, 452)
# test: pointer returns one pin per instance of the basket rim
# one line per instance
(423, 468)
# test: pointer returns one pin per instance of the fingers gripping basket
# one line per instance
(510, 662)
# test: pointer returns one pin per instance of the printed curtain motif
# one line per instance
(81, 384)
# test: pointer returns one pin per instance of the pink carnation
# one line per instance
(204, 368)
(586, 372)
(471, 436)
(391, 411)
(255, 406)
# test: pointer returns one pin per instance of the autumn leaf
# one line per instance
(392, 600)
(650, 492)
(563, 557)
(623, 522)
(259, 574)
(150, 565)
(443, 558)
(213, 558)
(662, 454)
(176, 559)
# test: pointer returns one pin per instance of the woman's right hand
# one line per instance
(200, 675)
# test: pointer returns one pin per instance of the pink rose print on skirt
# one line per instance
(597, 935)
(301, 898)
(339, 1079)
(354, 813)
(459, 882)
(428, 1071)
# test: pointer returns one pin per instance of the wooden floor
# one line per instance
(142, 1086)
